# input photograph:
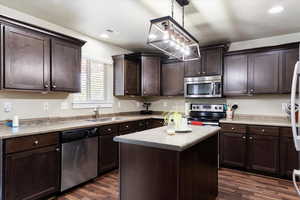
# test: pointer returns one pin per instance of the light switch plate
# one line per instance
(7, 107)
(46, 106)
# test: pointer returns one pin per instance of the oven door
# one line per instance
(198, 89)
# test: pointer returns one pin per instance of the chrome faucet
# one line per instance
(97, 112)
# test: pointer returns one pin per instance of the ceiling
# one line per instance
(210, 21)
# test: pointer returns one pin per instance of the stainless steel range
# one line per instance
(208, 114)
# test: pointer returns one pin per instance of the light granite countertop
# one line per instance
(260, 120)
(26, 130)
(158, 138)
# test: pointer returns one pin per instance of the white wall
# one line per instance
(31, 105)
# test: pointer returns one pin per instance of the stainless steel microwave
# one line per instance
(203, 87)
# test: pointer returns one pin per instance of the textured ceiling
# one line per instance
(209, 21)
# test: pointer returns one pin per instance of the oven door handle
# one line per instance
(213, 92)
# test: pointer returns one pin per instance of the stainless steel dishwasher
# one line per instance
(79, 157)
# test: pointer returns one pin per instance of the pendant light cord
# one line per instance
(183, 16)
(172, 8)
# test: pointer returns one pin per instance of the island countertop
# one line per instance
(158, 138)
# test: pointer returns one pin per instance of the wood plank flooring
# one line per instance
(233, 185)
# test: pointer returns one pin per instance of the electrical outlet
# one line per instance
(165, 104)
(46, 106)
(64, 106)
(7, 107)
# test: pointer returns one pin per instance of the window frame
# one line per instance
(106, 103)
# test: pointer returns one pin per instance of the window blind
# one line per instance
(92, 82)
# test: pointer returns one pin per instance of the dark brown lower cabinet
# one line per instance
(262, 149)
(289, 157)
(263, 154)
(233, 149)
(108, 152)
(32, 174)
(154, 123)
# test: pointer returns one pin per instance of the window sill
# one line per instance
(83, 105)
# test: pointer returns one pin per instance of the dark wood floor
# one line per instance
(233, 185)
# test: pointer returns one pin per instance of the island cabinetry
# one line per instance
(31, 172)
(188, 175)
(154, 123)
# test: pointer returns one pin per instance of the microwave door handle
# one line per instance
(213, 88)
(293, 107)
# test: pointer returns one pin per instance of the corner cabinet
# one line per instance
(127, 75)
(151, 68)
(66, 66)
(37, 59)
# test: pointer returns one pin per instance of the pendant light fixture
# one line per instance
(171, 38)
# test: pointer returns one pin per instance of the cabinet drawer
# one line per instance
(233, 128)
(264, 130)
(109, 129)
(286, 132)
(127, 127)
(30, 142)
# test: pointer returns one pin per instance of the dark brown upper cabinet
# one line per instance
(267, 70)
(151, 68)
(288, 59)
(192, 68)
(263, 73)
(210, 63)
(66, 66)
(126, 76)
(37, 59)
(26, 59)
(235, 75)
(172, 79)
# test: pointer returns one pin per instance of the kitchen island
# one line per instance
(157, 166)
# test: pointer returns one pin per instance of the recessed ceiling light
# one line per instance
(104, 35)
(276, 9)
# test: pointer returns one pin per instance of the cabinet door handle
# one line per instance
(203, 72)
(127, 126)
(232, 128)
(46, 85)
(57, 149)
(250, 138)
(36, 142)
(244, 137)
(263, 130)
(53, 85)
(199, 72)
(109, 129)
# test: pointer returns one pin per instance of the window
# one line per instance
(93, 85)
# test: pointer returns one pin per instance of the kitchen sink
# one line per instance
(105, 119)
